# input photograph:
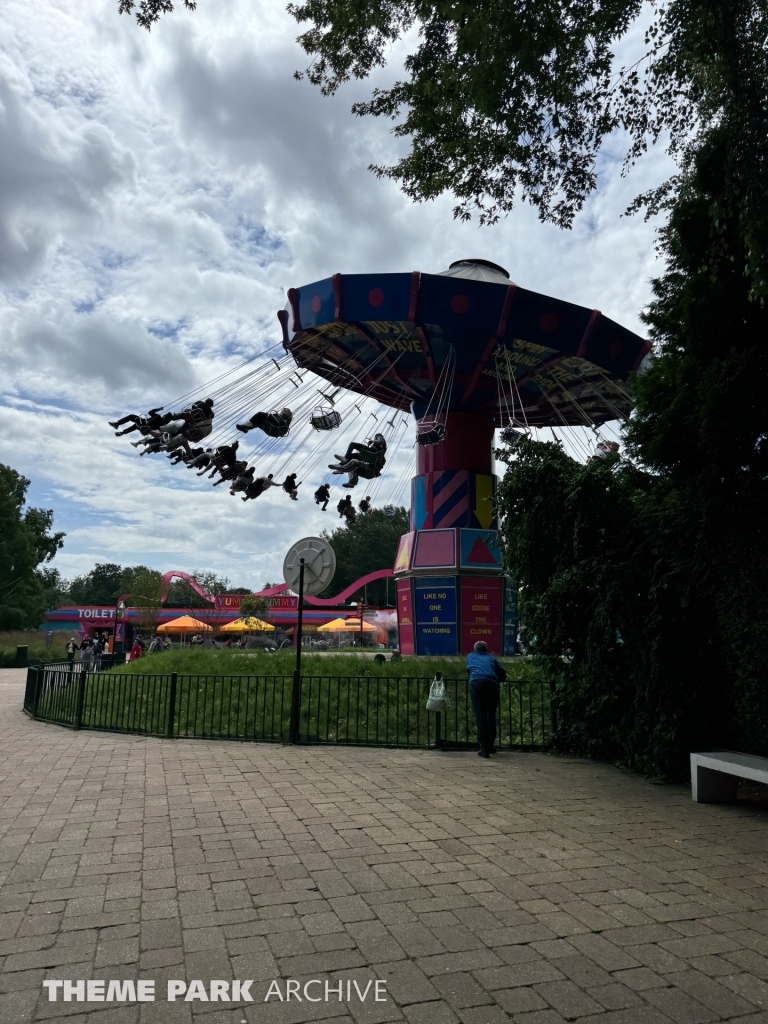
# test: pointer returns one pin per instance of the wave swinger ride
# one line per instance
(466, 352)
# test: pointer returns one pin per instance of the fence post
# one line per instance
(29, 689)
(171, 706)
(552, 708)
(295, 723)
(438, 737)
(81, 684)
(39, 680)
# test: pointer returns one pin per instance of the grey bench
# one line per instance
(715, 776)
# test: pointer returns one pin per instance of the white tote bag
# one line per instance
(438, 696)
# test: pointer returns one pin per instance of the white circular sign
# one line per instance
(319, 564)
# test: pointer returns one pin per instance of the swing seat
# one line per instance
(197, 433)
(198, 416)
(275, 426)
(511, 434)
(174, 429)
(367, 470)
(325, 419)
(429, 432)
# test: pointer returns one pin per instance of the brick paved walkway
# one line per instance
(529, 888)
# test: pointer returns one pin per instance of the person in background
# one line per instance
(98, 648)
(71, 650)
(485, 673)
(136, 651)
(86, 652)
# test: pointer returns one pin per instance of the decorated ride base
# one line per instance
(451, 591)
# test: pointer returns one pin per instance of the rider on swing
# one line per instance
(259, 485)
(366, 460)
(152, 421)
(274, 424)
(191, 424)
(291, 487)
(323, 496)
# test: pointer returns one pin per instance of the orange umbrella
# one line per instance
(346, 626)
(185, 624)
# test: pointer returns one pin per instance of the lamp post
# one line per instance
(294, 724)
(300, 616)
(119, 613)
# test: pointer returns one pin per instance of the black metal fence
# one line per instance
(373, 710)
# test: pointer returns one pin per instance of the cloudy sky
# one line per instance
(159, 193)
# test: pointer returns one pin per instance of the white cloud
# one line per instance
(158, 195)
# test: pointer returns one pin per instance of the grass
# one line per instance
(225, 661)
(34, 639)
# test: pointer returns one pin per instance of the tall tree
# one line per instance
(513, 98)
(101, 585)
(27, 588)
(367, 544)
(146, 596)
(644, 585)
(254, 607)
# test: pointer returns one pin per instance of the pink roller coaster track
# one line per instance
(380, 574)
(320, 602)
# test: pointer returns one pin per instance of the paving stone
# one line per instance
(615, 996)
(640, 978)
(470, 960)
(748, 961)
(604, 953)
(539, 1017)
(461, 990)
(520, 1000)
(520, 974)
(484, 1015)
(698, 945)
(642, 1014)
(710, 993)
(416, 940)
(406, 982)
(583, 971)
(751, 988)
(679, 1006)
(430, 1013)
(568, 999)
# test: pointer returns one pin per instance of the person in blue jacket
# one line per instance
(485, 673)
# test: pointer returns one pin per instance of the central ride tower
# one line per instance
(451, 590)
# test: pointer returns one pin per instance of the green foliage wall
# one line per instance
(644, 582)
(607, 609)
